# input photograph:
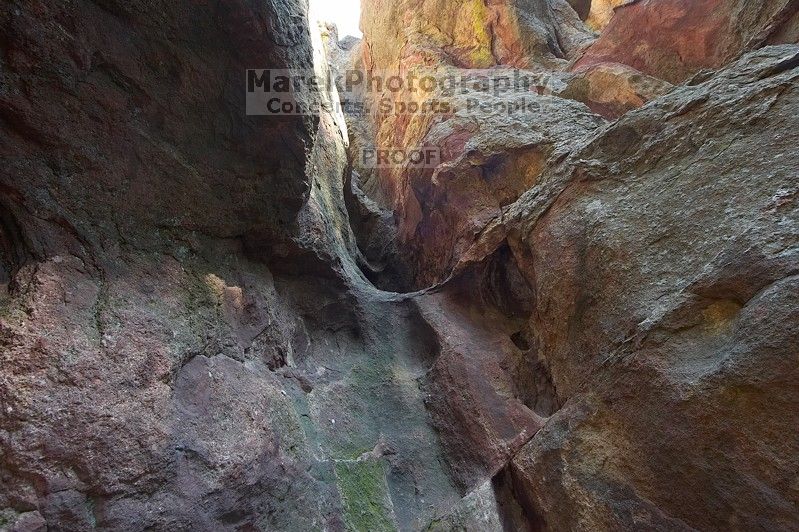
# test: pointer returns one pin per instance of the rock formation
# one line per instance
(601, 12)
(666, 292)
(582, 315)
(673, 39)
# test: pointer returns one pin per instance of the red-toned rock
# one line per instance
(476, 35)
(489, 149)
(475, 402)
(174, 274)
(489, 158)
(673, 39)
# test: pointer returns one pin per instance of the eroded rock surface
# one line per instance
(491, 142)
(190, 332)
(185, 342)
(665, 287)
(602, 12)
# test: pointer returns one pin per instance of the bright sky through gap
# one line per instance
(346, 14)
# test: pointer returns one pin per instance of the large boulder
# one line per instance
(663, 256)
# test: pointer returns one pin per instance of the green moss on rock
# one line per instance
(7, 518)
(364, 493)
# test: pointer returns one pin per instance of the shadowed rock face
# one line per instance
(581, 7)
(122, 114)
(137, 339)
(189, 338)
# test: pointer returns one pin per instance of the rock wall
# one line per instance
(475, 35)
(674, 39)
(185, 340)
(424, 38)
(633, 316)
(190, 332)
(141, 330)
(666, 312)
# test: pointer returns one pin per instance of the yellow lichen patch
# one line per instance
(216, 284)
(465, 35)
(602, 12)
(719, 316)
(472, 27)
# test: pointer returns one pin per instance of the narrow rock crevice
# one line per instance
(516, 512)
(375, 233)
(13, 248)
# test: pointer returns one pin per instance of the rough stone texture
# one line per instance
(481, 150)
(612, 89)
(475, 403)
(673, 39)
(184, 341)
(476, 35)
(84, 82)
(189, 338)
(663, 257)
(138, 340)
(489, 156)
(581, 7)
(488, 159)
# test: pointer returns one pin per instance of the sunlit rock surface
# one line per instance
(612, 89)
(601, 12)
(673, 39)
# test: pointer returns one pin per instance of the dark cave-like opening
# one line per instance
(12, 249)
